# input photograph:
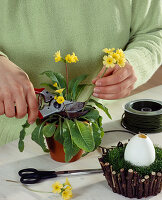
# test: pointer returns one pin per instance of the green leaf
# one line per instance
(37, 136)
(56, 77)
(21, 145)
(84, 154)
(26, 125)
(73, 86)
(96, 134)
(49, 130)
(102, 107)
(82, 135)
(48, 85)
(92, 115)
(59, 132)
(100, 121)
(80, 88)
(22, 136)
(77, 82)
(70, 148)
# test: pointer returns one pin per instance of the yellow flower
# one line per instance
(57, 56)
(67, 182)
(109, 61)
(120, 52)
(68, 58)
(55, 97)
(60, 99)
(60, 90)
(67, 194)
(109, 51)
(121, 62)
(74, 58)
(55, 84)
(57, 186)
(115, 56)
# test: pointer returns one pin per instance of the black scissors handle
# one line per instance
(31, 175)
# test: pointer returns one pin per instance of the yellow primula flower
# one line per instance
(55, 84)
(68, 58)
(109, 51)
(115, 56)
(67, 194)
(109, 61)
(120, 52)
(74, 58)
(60, 90)
(57, 186)
(67, 182)
(55, 97)
(57, 56)
(121, 62)
(60, 99)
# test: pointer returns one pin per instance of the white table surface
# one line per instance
(85, 187)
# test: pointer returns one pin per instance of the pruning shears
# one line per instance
(68, 109)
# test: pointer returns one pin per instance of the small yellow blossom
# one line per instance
(60, 99)
(60, 90)
(109, 51)
(74, 58)
(57, 186)
(67, 194)
(67, 182)
(115, 56)
(68, 187)
(57, 56)
(121, 62)
(109, 61)
(120, 52)
(55, 84)
(68, 58)
(55, 97)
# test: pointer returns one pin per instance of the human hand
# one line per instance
(117, 82)
(16, 90)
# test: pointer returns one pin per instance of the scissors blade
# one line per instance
(79, 172)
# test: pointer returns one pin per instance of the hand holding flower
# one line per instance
(116, 83)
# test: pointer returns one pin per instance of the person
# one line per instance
(31, 31)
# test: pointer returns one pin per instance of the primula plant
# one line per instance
(78, 131)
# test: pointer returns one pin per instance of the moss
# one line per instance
(116, 158)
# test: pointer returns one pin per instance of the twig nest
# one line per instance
(140, 151)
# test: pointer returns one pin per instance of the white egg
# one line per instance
(140, 151)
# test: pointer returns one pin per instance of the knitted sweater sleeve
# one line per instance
(3, 54)
(144, 49)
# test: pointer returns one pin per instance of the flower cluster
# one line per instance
(69, 58)
(65, 190)
(114, 57)
(60, 99)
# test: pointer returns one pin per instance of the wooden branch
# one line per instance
(159, 183)
(123, 178)
(154, 187)
(115, 182)
(146, 186)
(129, 183)
(102, 165)
(140, 188)
(108, 174)
(152, 179)
(120, 184)
(135, 183)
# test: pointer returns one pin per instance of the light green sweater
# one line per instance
(31, 31)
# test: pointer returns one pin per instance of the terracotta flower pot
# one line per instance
(57, 151)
